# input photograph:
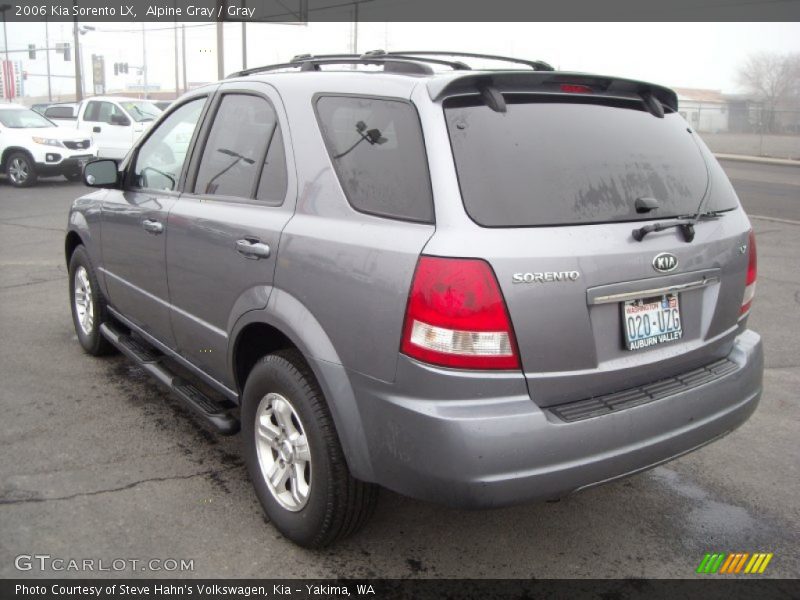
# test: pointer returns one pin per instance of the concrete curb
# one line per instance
(774, 219)
(759, 159)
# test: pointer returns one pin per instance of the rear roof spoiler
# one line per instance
(460, 83)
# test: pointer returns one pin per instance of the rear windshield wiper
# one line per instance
(685, 224)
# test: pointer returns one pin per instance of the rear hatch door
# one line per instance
(553, 182)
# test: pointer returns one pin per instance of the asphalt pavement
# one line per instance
(96, 462)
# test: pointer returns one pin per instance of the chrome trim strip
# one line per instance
(669, 289)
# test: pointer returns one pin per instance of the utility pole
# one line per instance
(220, 48)
(175, 35)
(183, 56)
(3, 9)
(47, 56)
(355, 28)
(76, 39)
(144, 61)
(244, 38)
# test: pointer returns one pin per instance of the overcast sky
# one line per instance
(701, 55)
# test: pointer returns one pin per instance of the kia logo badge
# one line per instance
(665, 262)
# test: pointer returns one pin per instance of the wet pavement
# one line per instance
(98, 462)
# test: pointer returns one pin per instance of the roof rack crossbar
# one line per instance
(536, 65)
(397, 62)
(408, 61)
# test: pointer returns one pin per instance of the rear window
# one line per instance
(555, 163)
(377, 150)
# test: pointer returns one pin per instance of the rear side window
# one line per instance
(243, 144)
(546, 162)
(378, 153)
(59, 112)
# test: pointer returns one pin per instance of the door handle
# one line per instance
(151, 226)
(95, 129)
(252, 248)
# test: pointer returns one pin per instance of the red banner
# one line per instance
(9, 80)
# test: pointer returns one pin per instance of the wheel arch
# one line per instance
(11, 150)
(71, 242)
(286, 323)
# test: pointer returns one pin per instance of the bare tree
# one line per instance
(775, 80)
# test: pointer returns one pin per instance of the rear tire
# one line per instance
(88, 304)
(285, 420)
(21, 170)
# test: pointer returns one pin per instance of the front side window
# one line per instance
(161, 157)
(377, 150)
(244, 144)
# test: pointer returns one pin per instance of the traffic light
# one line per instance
(67, 54)
(32, 51)
(125, 68)
(116, 68)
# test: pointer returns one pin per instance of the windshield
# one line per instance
(23, 118)
(142, 111)
(551, 162)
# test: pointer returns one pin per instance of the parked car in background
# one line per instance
(65, 111)
(31, 146)
(40, 107)
(163, 104)
(472, 287)
(113, 123)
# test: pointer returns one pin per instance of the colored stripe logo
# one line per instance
(723, 563)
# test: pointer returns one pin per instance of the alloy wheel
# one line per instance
(283, 452)
(18, 171)
(83, 300)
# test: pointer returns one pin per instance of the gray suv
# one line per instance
(471, 286)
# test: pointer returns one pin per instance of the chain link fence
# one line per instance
(746, 127)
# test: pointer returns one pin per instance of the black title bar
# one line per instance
(399, 10)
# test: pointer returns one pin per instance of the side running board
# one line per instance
(152, 361)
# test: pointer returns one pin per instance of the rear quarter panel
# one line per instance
(351, 270)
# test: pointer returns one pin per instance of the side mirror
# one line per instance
(101, 173)
(120, 120)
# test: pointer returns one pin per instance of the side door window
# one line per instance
(92, 112)
(105, 112)
(160, 159)
(274, 177)
(244, 152)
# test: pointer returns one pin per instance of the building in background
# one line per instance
(705, 110)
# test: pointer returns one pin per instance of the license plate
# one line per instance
(652, 321)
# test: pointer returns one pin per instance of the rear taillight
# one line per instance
(456, 316)
(752, 271)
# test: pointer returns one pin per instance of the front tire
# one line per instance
(88, 304)
(21, 170)
(294, 456)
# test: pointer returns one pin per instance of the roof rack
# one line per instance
(536, 65)
(412, 63)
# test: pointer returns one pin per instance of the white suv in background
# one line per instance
(32, 146)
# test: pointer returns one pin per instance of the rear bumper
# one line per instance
(470, 448)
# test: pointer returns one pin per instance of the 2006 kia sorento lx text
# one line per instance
(476, 287)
